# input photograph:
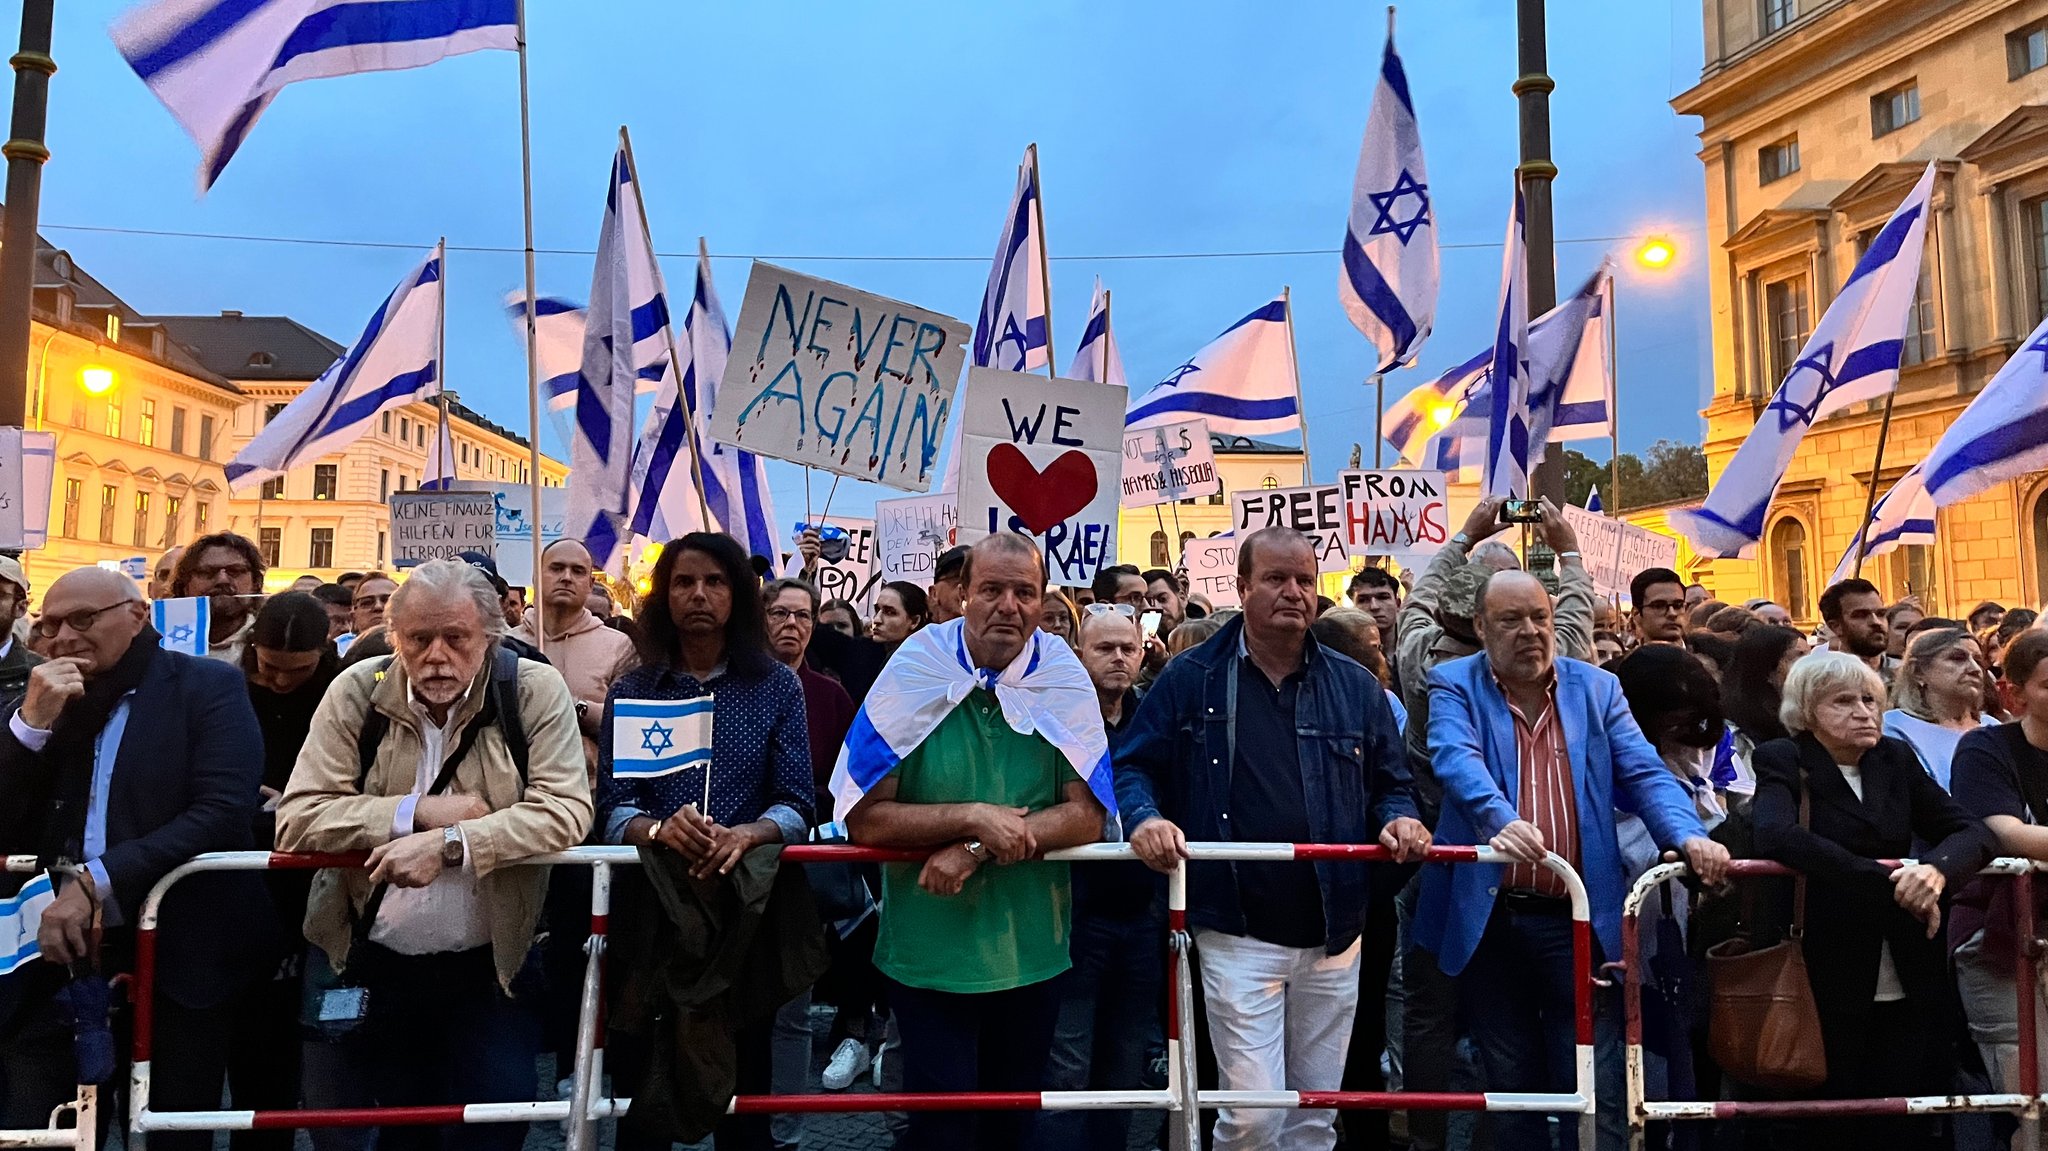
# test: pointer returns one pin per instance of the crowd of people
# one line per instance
(453, 731)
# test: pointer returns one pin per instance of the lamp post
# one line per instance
(1532, 89)
(25, 154)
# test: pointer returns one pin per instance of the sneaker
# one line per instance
(846, 1064)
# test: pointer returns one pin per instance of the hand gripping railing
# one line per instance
(587, 1104)
(83, 1109)
(2026, 1103)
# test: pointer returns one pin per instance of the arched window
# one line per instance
(1270, 482)
(1159, 556)
(1788, 567)
(2040, 522)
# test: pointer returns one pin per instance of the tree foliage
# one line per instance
(1668, 471)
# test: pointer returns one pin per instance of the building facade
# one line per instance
(1817, 117)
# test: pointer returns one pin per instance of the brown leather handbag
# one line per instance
(1765, 1028)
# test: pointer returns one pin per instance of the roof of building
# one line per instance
(91, 303)
(1247, 446)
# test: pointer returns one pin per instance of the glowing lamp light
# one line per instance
(96, 380)
(1657, 253)
(1442, 414)
(643, 585)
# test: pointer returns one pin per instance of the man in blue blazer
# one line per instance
(1536, 754)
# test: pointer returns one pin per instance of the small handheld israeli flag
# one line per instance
(183, 623)
(20, 915)
(656, 737)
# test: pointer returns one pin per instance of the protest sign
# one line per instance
(439, 525)
(827, 376)
(846, 561)
(1614, 551)
(1212, 569)
(1167, 463)
(910, 535)
(1316, 512)
(1042, 457)
(1400, 512)
(513, 532)
(28, 463)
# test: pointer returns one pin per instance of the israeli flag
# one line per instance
(20, 915)
(394, 362)
(1045, 690)
(653, 738)
(1243, 382)
(440, 474)
(2002, 434)
(183, 623)
(1904, 516)
(217, 64)
(558, 345)
(1011, 331)
(1097, 359)
(1583, 408)
(1852, 356)
(1506, 469)
(1593, 500)
(1389, 285)
(626, 339)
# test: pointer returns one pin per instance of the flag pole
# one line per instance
(1613, 402)
(532, 332)
(1044, 261)
(441, 433)
(1884, 431)
(1379, 398)
(1293, 358)
(675, 355)
(1102, 372)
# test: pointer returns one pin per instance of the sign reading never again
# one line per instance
(831, 377)
(1043, 458)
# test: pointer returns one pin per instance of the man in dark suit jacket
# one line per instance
(127, 760)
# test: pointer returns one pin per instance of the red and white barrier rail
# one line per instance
(82, 1110)
(2026, 1103)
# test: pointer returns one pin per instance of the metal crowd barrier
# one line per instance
(588, 1103)
(83, 1109)
(2027, 1103)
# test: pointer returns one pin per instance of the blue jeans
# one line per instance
(442, 1031)
(1110, 1005)
(1516, 995)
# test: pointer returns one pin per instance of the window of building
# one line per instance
(2026, 49)
(262, 360)
(383, 485)
(78, 409)
(1184, 538)
(320, 552)
(114, 327)
(270, 542)
(1159, 557)
(205, 435)
(141, 537)
(178, 431)
(1775, 14)
(113, 425)
(380, 549)
(270, 412)
(1894, 109)
(404, 429)
(74, 493)
(1270, 482)
(1912, 571)
(2040, 523)
(387, 423)
(420, 434)
(326, 478)
(465, 453)
(1785, 309)
(273, 489)
(201, 512)
(1920, 343)
(146, 435)
(1777, 161)
(2035, 213)
(1216, 500)
(1788, 566)
(401, 481)
(174, 510)
(109, 496)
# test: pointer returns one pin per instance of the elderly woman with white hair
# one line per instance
(1834, 802)
(1938, 697)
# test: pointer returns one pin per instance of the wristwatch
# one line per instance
(582, 705)
(975, 849)
(451, 847)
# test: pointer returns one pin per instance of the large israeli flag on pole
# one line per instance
(558, 328)
(1097, 360)
(1506, 468)
(1852, 356)
(1904, 516)
(394, 362)
(217, 64)
(1243, 382)
(1389, 285)
(1010, 333)
(2002, 434)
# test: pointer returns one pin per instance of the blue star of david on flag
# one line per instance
(1405, 185)
(1174, 377)
(1792, 412)
(182, 624)
(657, 737)
(1389, 281)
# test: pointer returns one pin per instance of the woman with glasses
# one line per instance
(1938, 697)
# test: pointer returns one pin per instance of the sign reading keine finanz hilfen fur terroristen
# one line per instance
(1168, 463)
(827, 376)
(1316, 512)
(1043, 457)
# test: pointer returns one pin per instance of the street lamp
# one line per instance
(96, 379)
(1657, 253)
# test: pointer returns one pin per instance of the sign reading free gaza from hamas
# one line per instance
(831, 377)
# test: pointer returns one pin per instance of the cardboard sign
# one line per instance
(1042, 457)
(1212, 569)
(439, 525)
(824, 375)
(1316, 512)
(28, 463)
(1401, 512)
(846, 563)
(911, 534)
(1167, 463)
(513, 532)
(1614, 551)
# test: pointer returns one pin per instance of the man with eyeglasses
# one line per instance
(372, 595)
(1659, 598)
(590, 655)
(228, 570)
(123, 761)
(16, 659)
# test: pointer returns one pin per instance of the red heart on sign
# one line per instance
(1041, 499)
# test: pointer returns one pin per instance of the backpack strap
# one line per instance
(371, 736)
(505, 685)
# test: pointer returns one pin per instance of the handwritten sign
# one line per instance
(438, 525)
(846, 561)
(1394, 512)
(1316, 512)
(1167, 463)
(835, 378)
(28, 463)
(1212, 569)
(910, 535)
(512, 534)
(1041, 457)
(1614, 551)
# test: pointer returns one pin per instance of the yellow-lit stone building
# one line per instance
(1817, 117)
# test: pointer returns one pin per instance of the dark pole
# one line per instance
(25, 154)
(1532, 91)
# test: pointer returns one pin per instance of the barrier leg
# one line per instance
(587, 1080)
(1184, 1126)
(1632, 1014)
(144, 990)
(1582, 1001)
(2027, 968)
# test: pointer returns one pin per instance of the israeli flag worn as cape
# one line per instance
(20, 915)
(1044, 690)
(183, 624)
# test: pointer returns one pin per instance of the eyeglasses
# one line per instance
(79, 621)
(784, 615)
(232, 571)
(372, 600)
(1123, 609)
(1665, 605)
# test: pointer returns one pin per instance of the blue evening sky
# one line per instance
(805, 132)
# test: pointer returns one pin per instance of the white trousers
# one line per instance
(1280, 1019)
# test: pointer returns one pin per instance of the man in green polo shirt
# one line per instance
(972, 938)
